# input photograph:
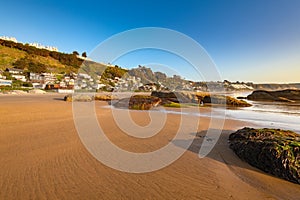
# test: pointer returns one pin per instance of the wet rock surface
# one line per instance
(138, 102)
(274, 151)
(200, 97)
(177, 97)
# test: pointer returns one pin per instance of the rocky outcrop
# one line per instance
(274, 151)
(225, 100)
(78, 97)
(177, 97)
(273, 87)
(138, 102)
(204, 97)
(280, 95)
(89, 97)
(104, 97)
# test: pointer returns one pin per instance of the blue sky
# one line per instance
(257, 40)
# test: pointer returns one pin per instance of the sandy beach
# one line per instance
(42, 157)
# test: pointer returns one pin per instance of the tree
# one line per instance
(37, 67)
(84, 54)
(27, 84)
(75, 53)
(7, 75)
(17, 83)
(22, 63)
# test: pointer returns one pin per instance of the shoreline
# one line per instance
(42, 156)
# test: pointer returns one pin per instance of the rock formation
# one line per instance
(274, 151)
(280, 95)
(204, 97)
(78, 97)
(104, 97)
(177, 97)
(138, 102)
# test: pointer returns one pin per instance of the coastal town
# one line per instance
(14, 78)
(33, 66)
(133, 80)
(66, 83)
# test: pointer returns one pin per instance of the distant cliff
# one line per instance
(288, 95)
(272, 87)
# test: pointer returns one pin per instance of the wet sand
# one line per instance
(42, 157)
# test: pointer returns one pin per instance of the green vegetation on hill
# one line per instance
(63, 58)
(12, 57)
(112, 72)
(9, 55)
(33, 59)
(148, 76)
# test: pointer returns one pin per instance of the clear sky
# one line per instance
(250, 40)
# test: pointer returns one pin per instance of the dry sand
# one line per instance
(42, 157)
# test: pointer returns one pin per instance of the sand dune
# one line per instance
(42, 157)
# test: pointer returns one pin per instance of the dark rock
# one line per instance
(206, 98)
(214, 99)
(177, 97)
(138, 102)
(104, 97)
(78, 97)
(280, 95)
(274, 151)
(230, 101)
(225, 100)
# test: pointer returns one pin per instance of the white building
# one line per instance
(35, 77)
(40, 46)
(2, 77)
(12, 39)
(83, 75)
(4, 82)
(19, 77)
(38, 85)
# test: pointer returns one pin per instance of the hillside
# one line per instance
(147, 76)
(22, 56)
(9, 56)
(273, 87)
(29, 58)
(11, 53)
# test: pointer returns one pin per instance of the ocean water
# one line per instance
(261, 115)
(277, 115)
(268, 114)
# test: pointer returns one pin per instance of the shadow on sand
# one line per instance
(58, 98)
(220, 152)
(247, 173)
